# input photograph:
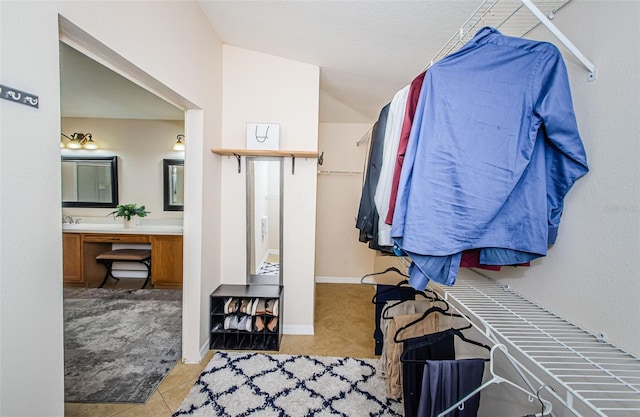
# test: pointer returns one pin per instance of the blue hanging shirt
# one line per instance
(494, 148)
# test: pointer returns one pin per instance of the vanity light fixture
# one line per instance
(79, 141)
(179, 145)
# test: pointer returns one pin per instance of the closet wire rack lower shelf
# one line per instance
(591, 376)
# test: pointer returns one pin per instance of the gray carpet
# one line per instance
(119, 344)
(260, 385)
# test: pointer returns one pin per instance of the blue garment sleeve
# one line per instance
(565, 156)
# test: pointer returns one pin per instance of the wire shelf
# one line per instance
(511, 17)
(597, 377)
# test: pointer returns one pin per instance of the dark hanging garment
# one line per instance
(446, 382)
(416, 351)
(367, 214)
(385, 293)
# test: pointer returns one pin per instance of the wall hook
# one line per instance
(321, 158)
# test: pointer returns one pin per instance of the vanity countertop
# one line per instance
(153, 229)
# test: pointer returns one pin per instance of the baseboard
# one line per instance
(203, 352)
(298, 329)
(338, 280)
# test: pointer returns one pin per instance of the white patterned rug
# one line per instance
(268, 268)
(254, 384)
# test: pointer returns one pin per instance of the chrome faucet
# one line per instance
(78, 221)
(67, 219)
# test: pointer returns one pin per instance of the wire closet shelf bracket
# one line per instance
(591, 376)
(514, 18)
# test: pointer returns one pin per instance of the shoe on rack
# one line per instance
(261, 308)
(249, 325)
(271, 306)
(231, 306)
(227, 322)
(249, 307)
(233, 322)
(259, 324)
(244, 302)
(273, 324)
(254, 306)
(227, 302)
(242, 322)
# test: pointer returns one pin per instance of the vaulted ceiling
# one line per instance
(366, 49)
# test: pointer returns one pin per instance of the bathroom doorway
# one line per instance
(73, 36)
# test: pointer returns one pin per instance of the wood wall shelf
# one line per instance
(238, 153)
(263, 152)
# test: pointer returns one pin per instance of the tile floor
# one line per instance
(344, 324)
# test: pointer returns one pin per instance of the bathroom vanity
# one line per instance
(82, 243)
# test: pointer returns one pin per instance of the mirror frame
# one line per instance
(114, 182)
(166, 163)
(254, 278)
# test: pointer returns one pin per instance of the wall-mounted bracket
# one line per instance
(239, 159)
(565, 41)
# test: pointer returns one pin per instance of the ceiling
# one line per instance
(366, 50)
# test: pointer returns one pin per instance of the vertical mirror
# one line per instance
(173, 180)
(264, 220)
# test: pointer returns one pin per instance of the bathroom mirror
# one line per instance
(173, 179)
(89, 181)
(264, 220)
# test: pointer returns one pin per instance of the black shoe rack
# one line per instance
(229, 329)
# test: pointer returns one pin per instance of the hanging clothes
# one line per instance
(366, 221)
(410, 111)
(493, 150)
(383, 294)
(416, 351)
(446, 382)
(391, 139)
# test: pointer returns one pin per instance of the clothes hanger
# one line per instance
(435, 309)
(497, 379)
(455, 331)
(544, 411)
(434, 298)
(390, 269)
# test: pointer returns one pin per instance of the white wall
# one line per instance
(140, 146)
(340, 256)
(590, 276)
(30, 292)
(269, 89)
(146, 36)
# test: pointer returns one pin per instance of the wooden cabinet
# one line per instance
(166, 261)
(80, 268)
(72, 258)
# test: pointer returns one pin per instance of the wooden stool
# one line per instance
(142, 256)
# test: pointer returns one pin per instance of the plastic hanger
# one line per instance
(454, 331)
(390, 269)
(434, 298)
(497, 379)
(435, 309)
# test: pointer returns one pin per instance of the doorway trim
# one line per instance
(82, 41)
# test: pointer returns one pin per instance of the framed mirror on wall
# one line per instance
(264, 220)
(90, 181)
(173, 180)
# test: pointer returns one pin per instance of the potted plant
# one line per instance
(128, 212)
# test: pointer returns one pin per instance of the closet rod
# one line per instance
(565, 41)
